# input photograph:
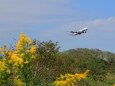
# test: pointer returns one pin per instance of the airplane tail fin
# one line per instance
(70, 31)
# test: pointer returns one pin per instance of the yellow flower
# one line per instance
(17, 81)
(15, 52)
(20, 61)
(1, 51)
(22, 55)
(24, 42)
(33, 48)
(8, 71)
(9, 61)
(2, 66)
(14, 57)
(26, 62)
(34, 56)
(86, 72)
(114, 85)
(27, 39)
(27, 51)
(73, 84)
(69, 79)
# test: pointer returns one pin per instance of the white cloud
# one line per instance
(27, 11)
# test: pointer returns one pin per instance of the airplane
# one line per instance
(78, 32)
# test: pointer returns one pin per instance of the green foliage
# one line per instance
(110, 82)
(49, 84)
(45, 61)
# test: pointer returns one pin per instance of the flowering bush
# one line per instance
(69, 79)
(17, 63)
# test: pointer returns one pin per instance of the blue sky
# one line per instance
(51, 19)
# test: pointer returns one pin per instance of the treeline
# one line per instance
(110, 57)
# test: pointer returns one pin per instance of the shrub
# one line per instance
(16, 64)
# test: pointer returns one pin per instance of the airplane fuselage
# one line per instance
(79, 32)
